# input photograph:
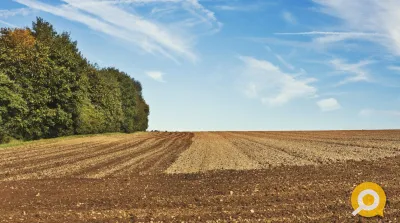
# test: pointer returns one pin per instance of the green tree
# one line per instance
(49, 89)
(12, 110)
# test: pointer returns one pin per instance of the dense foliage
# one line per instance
(48, 89)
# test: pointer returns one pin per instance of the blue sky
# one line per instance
(242, 64)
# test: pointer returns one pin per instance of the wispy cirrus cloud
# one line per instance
(367, 16)
(246, 6)
(237, 7)
(5, 13)
(357, 21)
(355, 72)
(332, 37)
(228, 8)
(169, 39)
(8, 24)
(284, 62)
(273, 86)
(395, 68)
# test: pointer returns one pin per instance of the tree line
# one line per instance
(48, 89)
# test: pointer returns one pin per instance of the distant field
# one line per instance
(244, 176)
(260, 150)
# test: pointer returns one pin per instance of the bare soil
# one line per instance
(261, 150)
(199, 177)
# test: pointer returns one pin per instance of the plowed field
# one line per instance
(198, 177)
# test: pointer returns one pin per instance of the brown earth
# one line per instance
(199, 177)
(260, 150)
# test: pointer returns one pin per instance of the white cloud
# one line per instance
(371, 16)
(7, 24)
(329, 104)
(284, 62)
(5, 13)
(374, 112)
(156, 75)
(280, 58)
(355, 71)
(282, 42)
(227, 7)
(251, 90)
(332, 37)
(230, 5)
(158, 37)
(395, 68)
(289, 17)
(236, 7)
(271, 85)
